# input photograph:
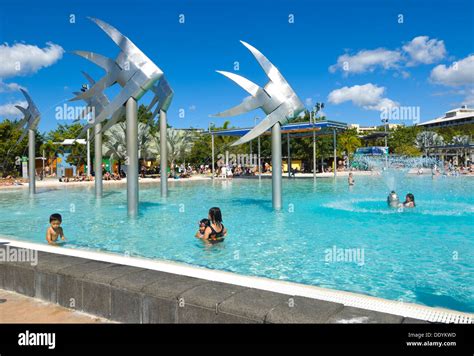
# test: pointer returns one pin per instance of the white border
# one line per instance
(409, 310)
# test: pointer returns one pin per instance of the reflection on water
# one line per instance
(401, 248)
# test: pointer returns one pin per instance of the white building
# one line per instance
(455, 117)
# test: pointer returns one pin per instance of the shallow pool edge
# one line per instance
(348, 299)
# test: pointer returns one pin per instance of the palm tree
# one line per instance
(349, 142)
(50, 151)
(461, 140)
(115, 141)
(179, 143)
(427, 139)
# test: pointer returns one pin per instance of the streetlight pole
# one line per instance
(212, 143)
(312, 119)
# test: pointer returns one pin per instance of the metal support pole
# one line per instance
(251, 158)
(259, 161)
(132, 153)
(98, 160)
(212, 139)
(314, 154)
(32, 162)
(276, 166)
(335, 154)
(44, 159)
(288, 161)
(89, 153)
(163, 155)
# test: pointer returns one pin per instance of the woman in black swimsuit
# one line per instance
(216, 231)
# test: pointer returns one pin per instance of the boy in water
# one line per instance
(55, 230)
(202, 228)
(350, 179)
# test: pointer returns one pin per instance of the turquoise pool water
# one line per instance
(423, 255)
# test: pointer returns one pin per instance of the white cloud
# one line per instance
(457, 74)
(469, 98)
(10, 111)
(7, 87)
(420, 50)
(366, 60)
(308, 101)
(368, 96)
(424, 50)
(23, 59)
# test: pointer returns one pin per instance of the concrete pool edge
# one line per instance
(243, 298)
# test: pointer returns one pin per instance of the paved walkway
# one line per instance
(16, 308)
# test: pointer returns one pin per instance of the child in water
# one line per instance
(55, 230)
(409, 201)
(202, 228)
(350, 180)
(214, 231)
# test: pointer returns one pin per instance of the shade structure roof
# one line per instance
(299, 129)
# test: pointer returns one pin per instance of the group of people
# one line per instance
(9, 180)
(212, 229)
(394, 202)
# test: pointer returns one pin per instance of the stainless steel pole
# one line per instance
(98, 160)
(288, 161)
(259, 161)
(44, 159)
(32, 162)
(314, 154)
(212, 139)
(276, 166)
(132, 153)
(251, 158)
(163, 155)
(88, 153)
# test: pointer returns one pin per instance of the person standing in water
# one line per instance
(409, 201)
(55, 231)
(350, 179)
(215, 231)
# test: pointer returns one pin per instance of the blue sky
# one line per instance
(386, 63)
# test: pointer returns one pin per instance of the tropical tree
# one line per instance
(348, 142)
(179, 143)
(10, 149)
(402, 141)
(51, 151)
(427, 139)
(461, 140)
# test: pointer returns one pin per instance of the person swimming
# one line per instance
(392, 200)
(215, 231)
(409, 201)
(203, 223)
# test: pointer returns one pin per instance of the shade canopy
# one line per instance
(299, 129)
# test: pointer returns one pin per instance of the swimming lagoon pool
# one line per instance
(328, 234)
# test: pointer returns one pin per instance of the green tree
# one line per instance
(10, 149)
(348, 142)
